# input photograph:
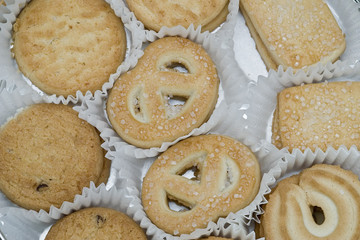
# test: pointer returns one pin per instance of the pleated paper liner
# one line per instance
(347, 15)
(94, 110)
(262, 98)
(297, 161)
(9, 70)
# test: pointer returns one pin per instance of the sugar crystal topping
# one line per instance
(308, 20)
(324, 114)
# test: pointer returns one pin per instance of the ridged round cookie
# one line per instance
(208, 176)
(158, 13)
(48, 155)
(64, 45)
(96, 223)
(322, 202)
(139, 105)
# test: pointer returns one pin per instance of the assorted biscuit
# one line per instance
(313, 204)
(294, 34)
(317, 116)
(68, 46)
(139, 106)
(48, 155)
(96, 223)
(226, 178)
(157, 14)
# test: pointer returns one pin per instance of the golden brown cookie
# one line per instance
(48, 155)
(96, 223)
(293, 33)
(158, 13)
(318, 115)
(322, 202)
(139, 105)
(225, 178)
(63, 45)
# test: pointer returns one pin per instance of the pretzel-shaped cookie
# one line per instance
(138, 106)
(227, 179)
(289, 213)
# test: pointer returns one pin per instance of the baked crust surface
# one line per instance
(227, 179)
(158, 13)
(139, 105)
(289, 211)
(96, 223)
(47, 156)
(318, 115)
(294, 33)
(63, 45)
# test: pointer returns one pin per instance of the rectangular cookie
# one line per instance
(318, 115)
(293, 33)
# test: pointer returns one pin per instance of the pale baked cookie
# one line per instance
(96, 223)
(140, 104)
(225, 178)
(48, 155)
(318, 115)
(293, 33)
(64, 45)
(158, 13)
(322, 202)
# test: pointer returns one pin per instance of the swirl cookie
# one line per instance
(293, 33)
(206, 176)
(96, 223)
(158, 13)
(318, 115)
(48, 155)
(140, 106)
(63, 45)
(322, 202)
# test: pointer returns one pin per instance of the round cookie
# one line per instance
(64, 45)
(139, 105)
(96, 223)
(225, 178)
(322, 202)
(48, 155)
(158, 13)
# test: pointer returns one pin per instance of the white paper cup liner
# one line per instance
(135, 169)
(11, 102)
(9, 70)
(94, 111)
(347, 15)
(297, 161)
(262, 98)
